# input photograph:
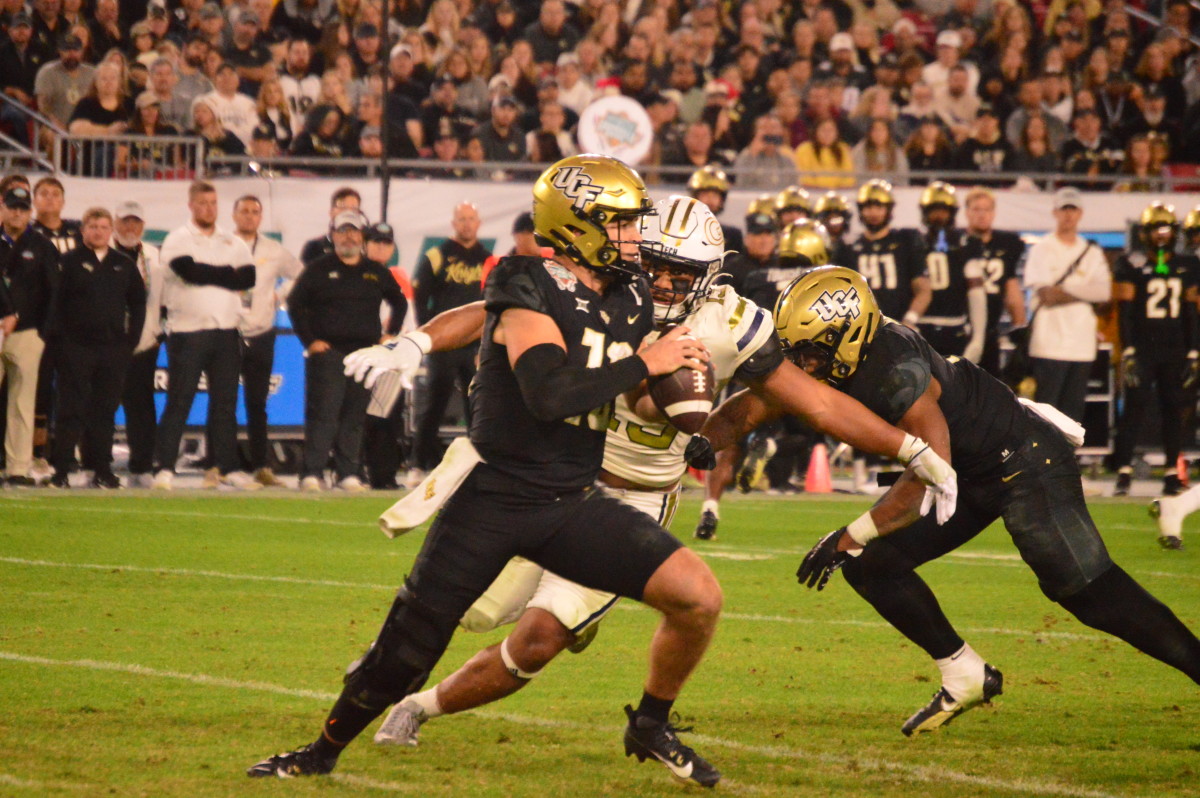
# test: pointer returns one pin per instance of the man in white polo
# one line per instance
(208, 271)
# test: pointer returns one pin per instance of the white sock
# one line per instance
(428, 702)
(711, 506)
(962, 674)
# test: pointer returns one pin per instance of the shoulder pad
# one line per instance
(516, 283)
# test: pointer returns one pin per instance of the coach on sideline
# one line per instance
(208, 269)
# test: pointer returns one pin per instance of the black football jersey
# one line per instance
(984, 418)
(889, 265)
(946, 264)
(597, 329)
(1160, 314)
(763, 285)
(67, 237)
(996, 261)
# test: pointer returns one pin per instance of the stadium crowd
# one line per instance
(832, 86)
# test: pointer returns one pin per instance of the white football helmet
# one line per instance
(683, 236)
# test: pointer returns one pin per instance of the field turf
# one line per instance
(158, 645)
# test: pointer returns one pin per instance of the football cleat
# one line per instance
(1171, 542)
(707, 528)
(645, 738)
(943, 708)
(757, 457)
(301, 762)
(1172, 485)
(106, 481)
(1124, 483)
(402, 726)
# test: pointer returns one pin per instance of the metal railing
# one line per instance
(131, 157)
(29, 131)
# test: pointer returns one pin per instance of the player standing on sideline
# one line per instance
(833, 212)
(891, 261)
(644, 456)
(994, 255)
(1015, 462)
(1156, 287)
(711, 186)
(344, 199)
(792, 205)
(954, 322)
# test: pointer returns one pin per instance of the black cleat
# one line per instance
(645, 738)
(60, 480)
(1170, 542)
(109, 481)
(943, 709)
(21, 481)
(757, 457)
(1124, 483)
(1172, 485)
(301, 762)
(707, 528)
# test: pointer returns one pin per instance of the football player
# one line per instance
(954, 322)
(1016, 463)
(891, 261)
(1156, 288)
(1191, 230)
(710, 185)
(832, 211)
(643, 462)
(994, 256)
(792, 205)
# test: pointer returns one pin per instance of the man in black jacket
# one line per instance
(334, 307)
(29, 268)
(95, 321)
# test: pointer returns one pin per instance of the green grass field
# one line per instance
(157, 646)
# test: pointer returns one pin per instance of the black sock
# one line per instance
(657, 709)
(1116, 604)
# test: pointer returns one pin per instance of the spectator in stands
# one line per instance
(324, 134)
(1115, 104)
(402, 73)
(1152, 117)
(305, 19)
(105, 26)
(576, 94)
(955, 105)
(192, 80)
(440, 31)
(1090, 153)
(335, 91)
(843, 65)
(141, 43)
(550, 142)
(146, 159)
(767, 163)
(1065, 273)
(331, 324)
(50, 27)
(103, 111)
(824, 152)
(217, 140)
(20, 60)
(928, 150)
(920, 107)
(237, 112)
(551, 35)
(275, 114)
(949, 54)
(250, 57)
(1138, 169)
(501, 139)
(301, 86)
(1033, 153)
(94, 321)
(442, 107)
(1154, 68)
(879, 152)
(986, 150)
(470, 89)
(874, 104)
(208, 269)
(1013, 23)
(174, 108)
(212, 24)
(59, 84)
(49, 199)
(1030, 97)
(405, 135)
(29, 266)
(1057, 99)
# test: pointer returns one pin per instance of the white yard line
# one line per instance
(912, 772)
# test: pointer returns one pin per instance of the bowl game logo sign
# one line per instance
(617, 126)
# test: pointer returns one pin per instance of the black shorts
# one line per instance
(1039, 495)
(584, 536)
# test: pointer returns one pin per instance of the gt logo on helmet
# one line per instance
(839, 304)
(576, 185)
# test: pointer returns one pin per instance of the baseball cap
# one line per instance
(70, 42)
(760, 223)
(442, 80)
(904, 23)
(18, 198)
(497, 81)
(949, 38)
(365, 30)
(129, 208)
(504, 100)
(18, 19)
(547, 82)
(210, 11)
(567, 58)
(1067, 197)
(380, 231)
(841, 41)
(523, 223)
(146, 99)
(349, 218)
(245, 16)
(986, 109)
(140, 28)
(888, 61)
(156, 11)
(401, 49)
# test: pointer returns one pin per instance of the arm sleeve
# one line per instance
(234, 278)
(554, 390)
(423, 288)
(298, 310)
(395, 300)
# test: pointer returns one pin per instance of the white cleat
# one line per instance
(240, 480)
(163, 480)
(402, 726)
(352, 485)
(311, 485)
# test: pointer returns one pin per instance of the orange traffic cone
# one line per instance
(816, 479)
(1181, 470)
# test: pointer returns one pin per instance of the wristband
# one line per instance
(910, 448)
(862, 530)
(911, 318)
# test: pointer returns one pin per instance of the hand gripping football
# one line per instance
(685, 396)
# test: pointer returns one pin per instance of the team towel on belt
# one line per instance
(1071, 429)
(439, 485)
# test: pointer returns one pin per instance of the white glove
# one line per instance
(936, 473)
(402, 355)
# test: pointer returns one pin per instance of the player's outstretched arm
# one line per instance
(450, 329)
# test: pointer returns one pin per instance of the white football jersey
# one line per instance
(651, 453)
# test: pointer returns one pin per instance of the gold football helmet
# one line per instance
(938, 196)
(832, 210)
(793, 200)
(1191, 224)
(1159, 226)
(826, 319)
(575, 198)
(708, 178)
(804, 244)
(763, 203)
(876, 192)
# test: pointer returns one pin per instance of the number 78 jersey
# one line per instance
(1161, 316)
(651, 453)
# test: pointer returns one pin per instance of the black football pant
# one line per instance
(258, 358)
(217, 354)
(383, 446)
(1158, 369)
(335, 409)
(444, 372)
(1062, 383)
(1038, 493)
(141, 416)
(90, 380)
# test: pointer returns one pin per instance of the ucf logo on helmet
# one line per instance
(839, 304)
(576, 185)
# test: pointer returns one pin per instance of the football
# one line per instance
(685, 397)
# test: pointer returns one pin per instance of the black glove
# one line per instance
(699, 453)
(824, 558)
(185, 267)
(1191, 371)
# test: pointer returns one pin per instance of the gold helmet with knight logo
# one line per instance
(804, 244)
(825, 319)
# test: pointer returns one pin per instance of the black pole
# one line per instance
(385, 130)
